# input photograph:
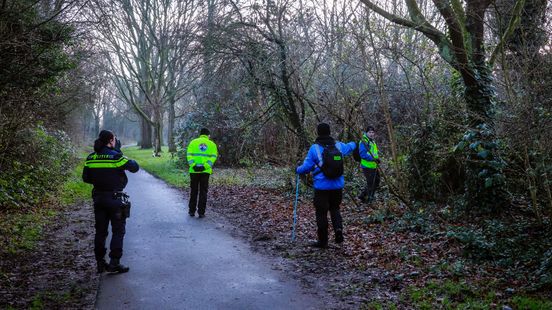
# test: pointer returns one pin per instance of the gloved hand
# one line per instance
(377, 160)
(199, 168)
(298, 163)
(117, 145)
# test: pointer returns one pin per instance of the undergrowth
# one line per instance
(172, 170)
(21, 228)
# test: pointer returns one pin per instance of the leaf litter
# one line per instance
(377, 261)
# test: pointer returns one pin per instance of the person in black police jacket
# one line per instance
(105, 169)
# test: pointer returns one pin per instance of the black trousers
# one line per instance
(324, 201)
(199, 183)
(372, 183)
(108, 209)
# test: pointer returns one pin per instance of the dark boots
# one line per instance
(101, 264)
(319, 245)
(338, 236)
(115, 266)
(324, 244)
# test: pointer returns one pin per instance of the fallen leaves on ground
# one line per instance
(375, 262)
(59, 273)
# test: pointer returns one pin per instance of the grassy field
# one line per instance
(164, 167)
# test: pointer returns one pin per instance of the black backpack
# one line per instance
(332, 162)
(356, 153)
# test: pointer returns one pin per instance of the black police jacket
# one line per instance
(106, 170)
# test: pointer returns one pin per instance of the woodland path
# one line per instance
(182, 262)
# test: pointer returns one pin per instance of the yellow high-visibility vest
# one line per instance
(372, 149)
(201, 152)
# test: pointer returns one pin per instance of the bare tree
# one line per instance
(275, 58)
(146, 42)
(463, 48)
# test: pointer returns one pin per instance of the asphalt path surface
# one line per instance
(182, 262)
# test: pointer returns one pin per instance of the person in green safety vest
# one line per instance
(369, 160)
(201, 155)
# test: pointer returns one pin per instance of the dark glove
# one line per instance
(377, 160)
(117, 145)
(199, 168)
(297, 165)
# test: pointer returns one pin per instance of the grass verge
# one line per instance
(74, 189)
(451, 294)
(165, 168)
(20, 230)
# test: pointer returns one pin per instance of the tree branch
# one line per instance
(421, 25)
(456, 36)
(475, 19)
(512, 25)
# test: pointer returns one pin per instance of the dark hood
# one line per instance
(325, 140)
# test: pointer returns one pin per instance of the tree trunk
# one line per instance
(86, 127)
(96, 125)
(293, 116)
(145, 133)
(171, 142)
(485, 178)
(158, 131)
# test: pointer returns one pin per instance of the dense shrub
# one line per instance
(239, 143)
(36, 56)
(509, 244)
(38, 164)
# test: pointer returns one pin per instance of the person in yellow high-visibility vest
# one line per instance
(201, 155)
(369, 160)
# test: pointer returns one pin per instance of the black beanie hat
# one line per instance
(323, 129)
(204, 131)
(368, 128)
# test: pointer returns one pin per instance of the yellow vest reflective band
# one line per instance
(373, 148)
(96, 161)
(202, 152)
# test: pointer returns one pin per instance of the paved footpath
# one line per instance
(182, 262)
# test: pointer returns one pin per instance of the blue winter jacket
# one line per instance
(312, 163)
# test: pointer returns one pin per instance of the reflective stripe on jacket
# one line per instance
(368, 159)
(106, 170)
(201, 152)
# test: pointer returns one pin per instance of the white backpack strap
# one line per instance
(319, 154)
(338, 147)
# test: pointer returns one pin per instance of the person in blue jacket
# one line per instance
(328, 192)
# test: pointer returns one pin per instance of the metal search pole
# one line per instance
(295, 207)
